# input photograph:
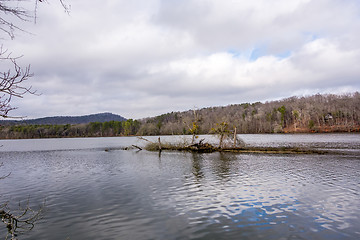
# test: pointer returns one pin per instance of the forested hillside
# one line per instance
(318, 113)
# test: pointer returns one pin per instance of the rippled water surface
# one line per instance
(115, 194)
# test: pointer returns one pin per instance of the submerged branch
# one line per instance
(137, 147)
(20, 221)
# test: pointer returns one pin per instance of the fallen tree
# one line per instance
(205, 147)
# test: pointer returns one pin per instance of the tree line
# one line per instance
(317, 113)
(93, 129)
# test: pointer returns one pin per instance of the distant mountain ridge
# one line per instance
(60, 120)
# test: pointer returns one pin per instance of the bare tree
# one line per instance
(194, 128)
(13, 11)
(11, 82)
(12, 79)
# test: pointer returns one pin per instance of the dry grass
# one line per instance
(239, 148)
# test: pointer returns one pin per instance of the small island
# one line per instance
(204, 147)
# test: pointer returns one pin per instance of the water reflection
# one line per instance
(93, 194)
(219, 163)
(245, 193)
(222, 168)
(197, 162)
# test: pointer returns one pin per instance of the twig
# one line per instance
(21, 222)
(141, 138)
(137, 147)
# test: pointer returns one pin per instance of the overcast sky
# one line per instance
(143, 58)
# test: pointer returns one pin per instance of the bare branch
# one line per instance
(21, 220)
(10, 11)
(11, 82)
(65, 6)
(141, 138)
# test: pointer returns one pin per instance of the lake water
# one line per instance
(116, 194)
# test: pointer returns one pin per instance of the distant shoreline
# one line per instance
(313, 114)
(165, 135)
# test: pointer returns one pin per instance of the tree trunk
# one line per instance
(234, 137)
(159, 144)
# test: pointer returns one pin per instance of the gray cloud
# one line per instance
(143, 58)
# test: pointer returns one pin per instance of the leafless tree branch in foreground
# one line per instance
(11, 82)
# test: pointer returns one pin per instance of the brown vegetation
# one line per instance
(318, 113)
(204, 147)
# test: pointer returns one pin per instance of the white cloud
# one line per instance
(142, 58)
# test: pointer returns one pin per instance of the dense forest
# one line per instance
(318, 113)
(93, 129)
